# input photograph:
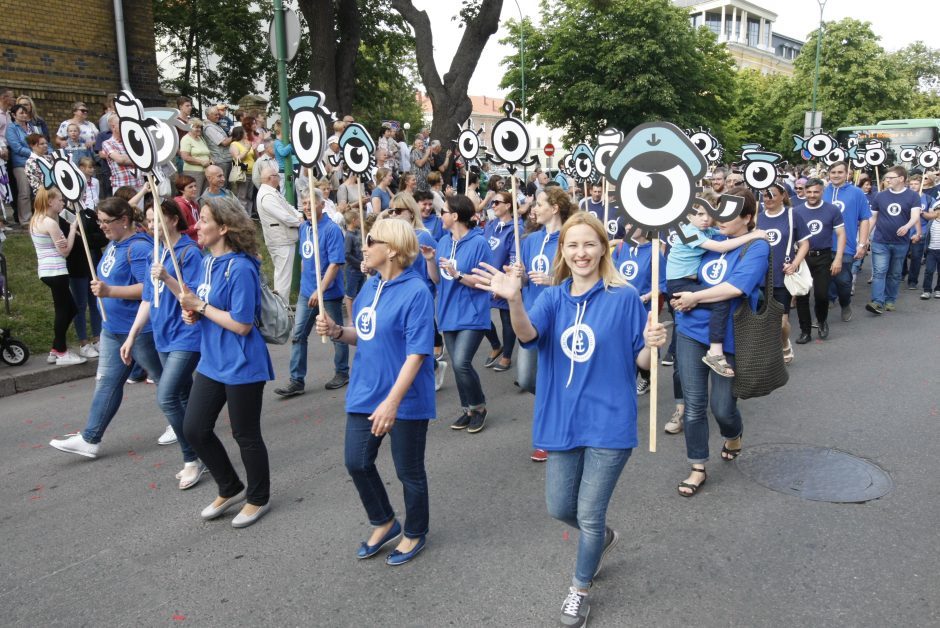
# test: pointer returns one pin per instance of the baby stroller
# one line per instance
(12, 351)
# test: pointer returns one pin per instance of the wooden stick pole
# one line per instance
(362, 216)
(606, 207)
(515, 218)
(91, 263)
(316, 244)
(157, 218)
(466, 185)
(586, 194)
(857, 174)
(166, 236)
(877, 179)
(654, 351)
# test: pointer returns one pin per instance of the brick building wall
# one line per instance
(66, 52)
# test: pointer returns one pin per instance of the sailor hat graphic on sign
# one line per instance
(577, 342)
(629, 269)
(714, 271)
(365, 323)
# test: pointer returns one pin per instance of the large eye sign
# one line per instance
(134, 131)
(908, 154)
(835, 156)
(357, 149)
(760, 175)
(468, 143)
(308, 120)
(860, 161)
(566, 165)
(165, 138)
(582, 159)
(928, 158)
(607, 143)
(818, 145)
(68, 178)
(509, 140)
(875, 154)
(706, 144)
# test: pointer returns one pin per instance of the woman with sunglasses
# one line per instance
(391, 390)
(122, 272)
(463, 312)
(783, 228)
(500, 236)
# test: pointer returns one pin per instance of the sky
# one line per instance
(898, 23)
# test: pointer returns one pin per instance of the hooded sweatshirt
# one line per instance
(538, 255)
(170, 333)
(458, 306)
(501, 238)
(124, 264)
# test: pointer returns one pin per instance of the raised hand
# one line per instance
(500, 284)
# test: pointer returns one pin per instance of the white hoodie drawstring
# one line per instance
(581, 308)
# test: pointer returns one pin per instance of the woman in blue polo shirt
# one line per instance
(392, 387)
(463, 313)
(234, 363)
(122, 273)
(732, 276)
(591, 327)
(500, 237)
(177, 343)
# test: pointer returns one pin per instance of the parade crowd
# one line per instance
(437, 270)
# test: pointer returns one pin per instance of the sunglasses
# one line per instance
(82, 110)
(398, 211)
(370, 240)
(500, 202)
(799, 189)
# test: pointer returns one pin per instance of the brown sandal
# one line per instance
(693, 488)
(719, 364)
(729, 454)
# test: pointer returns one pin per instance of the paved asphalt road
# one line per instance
(113, 542)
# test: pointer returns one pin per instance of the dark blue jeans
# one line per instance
(696, 377)
(173, 393)
(408, 443)
(933, 260)
(81, 293)
(886, 262)
(718, 321)
(304, 321)
(462, 346)
(917, 258)
(840, 287)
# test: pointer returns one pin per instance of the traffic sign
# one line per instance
(292, 36)
(549, 150)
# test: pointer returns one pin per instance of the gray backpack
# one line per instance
(276, 321)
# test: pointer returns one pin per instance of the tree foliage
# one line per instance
(758, 101)
(619, 63)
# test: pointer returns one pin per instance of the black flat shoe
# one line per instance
(823, 331)
(804, 338)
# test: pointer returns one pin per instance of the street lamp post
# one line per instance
(822, 6)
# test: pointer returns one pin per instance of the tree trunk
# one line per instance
(332, 64)
(190, 46)
(350, 36)
(449, 97)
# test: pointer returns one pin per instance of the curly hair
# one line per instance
(241, 235)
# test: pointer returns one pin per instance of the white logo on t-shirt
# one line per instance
(612, 227)
(577, 342)
(108, 264)
(202, 291)
(894, 209)
(540, 264)
(815, 226)
(365, 323)
(673, 239)
(629, 269)
(714, 271)
(494, 243)
(840, 205)
(592, 212)
(773, 236)
(307, 249)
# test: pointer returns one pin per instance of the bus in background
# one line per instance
(896, 134)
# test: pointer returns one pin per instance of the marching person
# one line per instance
(280, 224)
(177, 343)
(732, 276)
(122, 272)
(856, 215)
(500, 236)
(392, 387)
(234, 363)
(332, 259)
(463, 313)
(589, 326)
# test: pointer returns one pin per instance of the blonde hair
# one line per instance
(605, 267)
(399, 237)
(380, 175)
(404, 200)
(41, 205)
(351, 216)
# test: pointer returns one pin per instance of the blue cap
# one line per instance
(357, 131)
(658, 137)
(305, 100)
(762, 155)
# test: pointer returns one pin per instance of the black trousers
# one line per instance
(819, 268)
(65, 309)
(206, 400)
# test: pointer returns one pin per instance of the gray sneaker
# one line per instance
(847, 313)
(575, 609)
(611, 537)
(339, 380)
(291, 390)
(936, 294)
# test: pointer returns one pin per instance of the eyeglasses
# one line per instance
(398, 211)
(108, 222)
(890, 177)
(370, 240)
(799, 189)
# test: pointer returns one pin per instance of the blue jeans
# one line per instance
(720, 310)
(578, 486)
(886, 261)
(462, 346)
(81, 294)
(527, 363)
(304, 321)
(933, 260)
(408, 442)
(696, 377)
(840, 287)
(109, 389)
(917, 257)
(173, 393)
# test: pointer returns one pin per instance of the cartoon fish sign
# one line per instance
(815, 146)
(65, 175)
(135, 130)
(582, 161)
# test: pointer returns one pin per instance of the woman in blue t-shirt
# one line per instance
(381, 194)
(589, 328)
(177, 343)
(500, 237)
(391, 390)
(732, 276)
(122, 272)
(463, 313)
(234, 363)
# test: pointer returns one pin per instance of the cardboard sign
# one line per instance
(707, 144)
(136, 135)
(357, 150)
(509, 141)
(65, 175)
(760, 168)
(308, 125)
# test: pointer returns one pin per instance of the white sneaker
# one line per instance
(439, 374)
(168, 437)
(88, 351)
(96, 345)
(191, 474)
(69, 358)
(75, 444)
(51, 358)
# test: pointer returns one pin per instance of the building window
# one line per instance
(753, 32)
(767, 32)
(713, 21)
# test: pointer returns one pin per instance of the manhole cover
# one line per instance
(815, 473)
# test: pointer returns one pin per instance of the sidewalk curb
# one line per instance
(38, 374)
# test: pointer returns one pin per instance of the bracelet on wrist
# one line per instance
(202, 308)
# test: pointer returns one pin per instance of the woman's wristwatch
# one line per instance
(459, 276)
(202, 309)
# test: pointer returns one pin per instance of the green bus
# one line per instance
(895, 133)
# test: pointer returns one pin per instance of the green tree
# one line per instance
(760, 103)
(619, 63)
(922, 65)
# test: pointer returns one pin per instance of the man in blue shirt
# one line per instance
(853, 205)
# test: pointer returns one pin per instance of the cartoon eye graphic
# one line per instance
(860, 161)
(582, 159)
(908, 153)
(69, 180)
(607, 143)
(760, 175)
(134, 131)
(657, 195)
(928, 159)
(834, 156)
(308, 126)
(510, 140)
(714, 155)
(566, 165)
(468, 143)
(875, 154)
(704, 142)
(357, 148)
(818, 145)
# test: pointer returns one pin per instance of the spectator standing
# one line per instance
(195, 154)
(108, 110)
(404, 153)
(421, 163)
(39, 147)
(74, 147)
(123, 171)
(16, 134)
(215, 186)
(280, 224)
(218, 142)
(88, 131)
(243, 158)
(35, 120)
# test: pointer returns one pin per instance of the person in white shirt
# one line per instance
(280, 224)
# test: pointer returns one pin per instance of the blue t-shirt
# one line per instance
(434, 224)
(460, 307)
(124, 264)
(500, 236)
(332, 251)
(538, 255)
(384, 198)
(853, 204)
(170, 333)
(393, 320)
(685, 257)
(420, 265)
(822, 223)
(894, 211)
(745, 273)
(571, 408)
(231, 282)
(778, 234)
(635, 264)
